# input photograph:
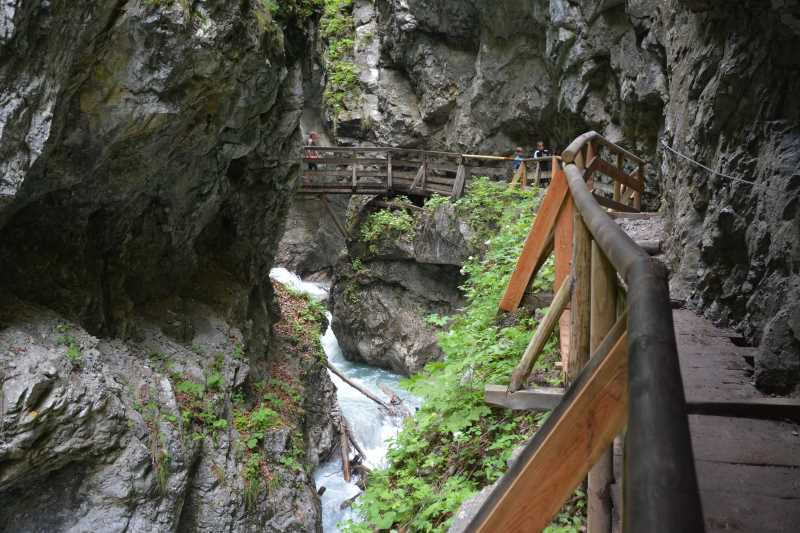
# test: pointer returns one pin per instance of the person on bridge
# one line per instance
(541, 151)
(543, 172)
(313, 140)
(518, 158)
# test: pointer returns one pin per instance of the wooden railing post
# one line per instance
(580, 308)
(590, 155)
(389, 171)
(603, 315)
(424, 172)
(617, 184)
(637, 200)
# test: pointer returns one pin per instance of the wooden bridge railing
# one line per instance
(381, 170)
(620, 360)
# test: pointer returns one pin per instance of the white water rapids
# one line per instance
(371, 427)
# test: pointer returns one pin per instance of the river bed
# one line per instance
(371, 427)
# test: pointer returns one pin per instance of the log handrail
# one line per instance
(660, 482)
(575, 147)
(395, 149)
(660, 492)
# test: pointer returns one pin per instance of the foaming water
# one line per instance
(371, 427)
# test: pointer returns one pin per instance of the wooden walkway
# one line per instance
(703, 449)
(747, 457)
(375, 171)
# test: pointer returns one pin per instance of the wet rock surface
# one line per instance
(147, 155)
(312, 241)
(95, 435)
(383, 291)
(710, 81)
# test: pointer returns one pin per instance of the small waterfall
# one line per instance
(371, 427)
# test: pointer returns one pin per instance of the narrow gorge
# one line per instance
(171, 302)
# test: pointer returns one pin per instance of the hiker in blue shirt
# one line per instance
(519, 157)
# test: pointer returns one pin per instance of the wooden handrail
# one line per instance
(575, 147)
(393, 149)
(660, 485)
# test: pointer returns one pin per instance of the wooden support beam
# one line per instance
(355, 177)
(537, 398)
(389, 171)
(638, 200)
(611, 204)
(761, 408)
(533, 252)
(563, 266)
(419, 177)
(618, 175)
(562, 246)
(459, 182)
(543, 332)
(331, 214)
(556, 460)
(580, 305)
(592, 161)
(603, 315)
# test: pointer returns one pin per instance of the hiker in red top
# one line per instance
(313, 140)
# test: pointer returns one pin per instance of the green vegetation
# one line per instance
(157, 445)
(73, 353)
(436, 201)
(456, 444)
(342, 87)
(288, 10)
(387, 224)
(278, 402)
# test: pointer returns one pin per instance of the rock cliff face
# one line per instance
(713, 81)
(384, 289)
(147, 154)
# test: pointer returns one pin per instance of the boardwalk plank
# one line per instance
(745, 441)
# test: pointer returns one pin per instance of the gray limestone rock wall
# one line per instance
(735, 243)
(383, 290)
(712, 79)
(148, 151)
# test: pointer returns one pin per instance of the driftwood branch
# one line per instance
(348, 502)
(395, 401)
(344, 449)
(359, 388)
(352, 438)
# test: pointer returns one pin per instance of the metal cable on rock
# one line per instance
(712, 171)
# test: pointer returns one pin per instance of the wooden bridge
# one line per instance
(411, 172)
(703, 450)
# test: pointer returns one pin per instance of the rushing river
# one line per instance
(371, 427)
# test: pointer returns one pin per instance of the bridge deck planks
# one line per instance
(748, 470)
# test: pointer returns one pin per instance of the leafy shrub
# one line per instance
(342, 86)
(456, 443)
(190, 388)
(386, 224)
(436, 201)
